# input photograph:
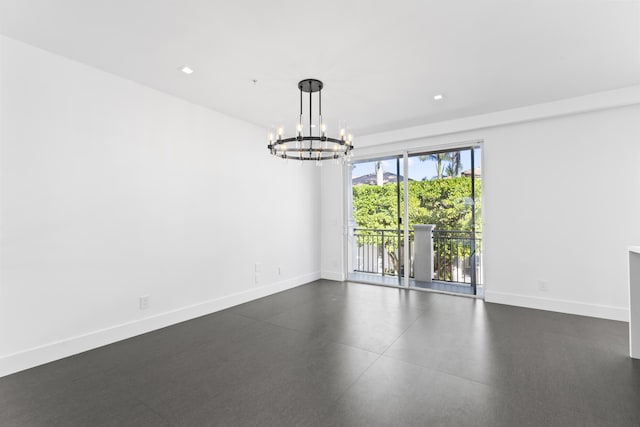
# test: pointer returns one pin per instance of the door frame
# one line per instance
(403, 154)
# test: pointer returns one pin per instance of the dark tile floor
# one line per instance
(332, 353)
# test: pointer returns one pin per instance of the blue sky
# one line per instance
(417, 169)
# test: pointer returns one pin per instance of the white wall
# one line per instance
(111, 190)
(332, 222)
(561, 205)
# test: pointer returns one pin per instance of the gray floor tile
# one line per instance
(166, 342)
(395, 393)
(275, 304)
(282, 376)
(94, 398)
(371, 323)
(311, 356)
(527, 354)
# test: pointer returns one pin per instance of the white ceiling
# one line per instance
(381, 61)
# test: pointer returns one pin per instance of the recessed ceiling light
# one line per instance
(186, 69)
(438, 97)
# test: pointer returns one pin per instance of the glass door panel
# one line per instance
(375, 223)
(444, 193)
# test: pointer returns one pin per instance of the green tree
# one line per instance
(447, 203)
(443, 202)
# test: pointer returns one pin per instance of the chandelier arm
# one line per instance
(333, 156)
(337, 141)
(284, 141)
(310, 138)
(315, 150)
(310, 116)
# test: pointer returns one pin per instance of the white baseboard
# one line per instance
(49, 352)
(332, 275)
(562, 306)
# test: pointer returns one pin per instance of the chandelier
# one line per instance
(308, 146)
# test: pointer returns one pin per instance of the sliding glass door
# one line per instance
(440, 247)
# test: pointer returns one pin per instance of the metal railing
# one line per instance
(378, 251)
(457, 254)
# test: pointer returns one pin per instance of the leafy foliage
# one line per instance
(444, 202)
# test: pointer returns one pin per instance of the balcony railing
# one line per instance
(378, 250)
(457, 254)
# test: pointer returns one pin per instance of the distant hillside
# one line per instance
(371, 179)
(388, 177)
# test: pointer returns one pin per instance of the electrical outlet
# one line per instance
(279, 271)
(258, 278)
(258, 267)
(543, 286)
(144, 302)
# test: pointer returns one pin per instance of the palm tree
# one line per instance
(438, 158)
(453, 168)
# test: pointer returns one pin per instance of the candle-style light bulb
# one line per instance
(342, 134)
(280, 132)
(299, 126)
(270, 138)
